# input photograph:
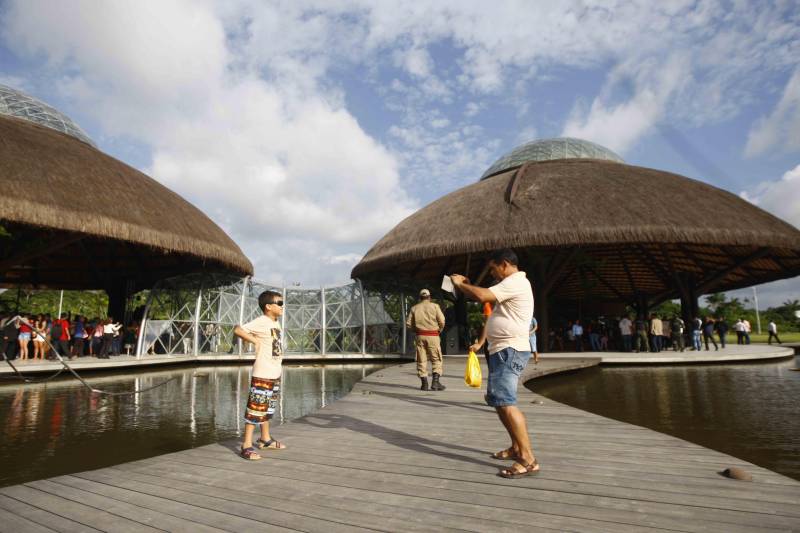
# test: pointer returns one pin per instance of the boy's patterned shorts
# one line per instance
(263, 400)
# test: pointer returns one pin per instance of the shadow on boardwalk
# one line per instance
(427, 401)
(401, 439)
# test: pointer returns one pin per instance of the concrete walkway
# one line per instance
(389, 457)
(752, 352)
(731, 353)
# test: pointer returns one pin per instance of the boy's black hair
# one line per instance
(268, 297)
(506, 254)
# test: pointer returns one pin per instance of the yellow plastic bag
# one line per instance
(472, 374)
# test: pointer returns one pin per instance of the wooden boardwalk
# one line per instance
(389, 457)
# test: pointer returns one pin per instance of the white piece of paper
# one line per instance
(447, 285)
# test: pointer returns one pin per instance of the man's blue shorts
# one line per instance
(505, 368)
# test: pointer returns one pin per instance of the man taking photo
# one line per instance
(509, 352)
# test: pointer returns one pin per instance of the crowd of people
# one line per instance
(38, 337)
(652, 334)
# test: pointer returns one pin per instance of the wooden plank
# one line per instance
(42, 516)
(278, 500)
(77, 512)
(571, 500)
(415, 498)
(78, 490)
(12, 523)
(390, 457)
(227, 513)
(569, 469)
(391, 508)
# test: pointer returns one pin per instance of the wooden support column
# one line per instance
(689, 306)
(541, 307)
(117, 297)
(642, 306)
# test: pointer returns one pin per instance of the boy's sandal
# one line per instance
(270, 444)
(502, 455)
(513, 473)
(250, 454)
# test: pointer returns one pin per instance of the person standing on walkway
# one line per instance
(641, 334)
(722, 331)
(666, 336)
(265, 384)
(772, 329)
(10, 331)
(109, 329)
(626, 330)
(746, 329)
(532, 335)
(577, 334)
(739, 328)
(426, 320)
(697, 333)
(509, 352)
(656, 332)
(708, 333)
(79, 336)
(677, 328)
(59, 336)
(24, 336)
(39, 335)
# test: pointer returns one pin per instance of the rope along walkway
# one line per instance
(389, 457)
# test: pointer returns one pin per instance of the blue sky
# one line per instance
(309, 129)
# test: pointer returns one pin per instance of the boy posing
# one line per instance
(265, 385)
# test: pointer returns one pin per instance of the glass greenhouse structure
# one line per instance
(196, 315)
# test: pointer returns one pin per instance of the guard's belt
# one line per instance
(428, 332)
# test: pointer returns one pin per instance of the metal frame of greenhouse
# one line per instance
(196, 315)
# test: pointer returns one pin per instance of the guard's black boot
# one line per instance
(436, 385)
(424, 384)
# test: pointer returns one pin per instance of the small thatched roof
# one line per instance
(95, 217)
(625, 223)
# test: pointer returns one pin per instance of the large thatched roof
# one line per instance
(594, 227)
(79, 218)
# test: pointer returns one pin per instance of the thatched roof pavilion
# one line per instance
(590, 230)
(80, 219)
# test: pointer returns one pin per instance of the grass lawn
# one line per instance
(785, 337)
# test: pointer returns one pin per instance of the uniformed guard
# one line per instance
(427, 321)
(678, 326)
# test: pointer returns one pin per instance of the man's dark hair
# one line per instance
(506, 254)
(268, 297)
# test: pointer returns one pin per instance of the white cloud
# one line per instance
(277, 161)
(416, 61)
(781, 129)
(619, 126)
(781, 198)
(242, 107)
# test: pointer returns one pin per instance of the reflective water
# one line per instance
(748, 410)
(60, 427)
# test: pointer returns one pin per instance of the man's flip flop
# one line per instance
(261, 443)
(504, 455)
(250, 454)
(512, 473)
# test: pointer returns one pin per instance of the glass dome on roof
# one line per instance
(18, 104)
(549, 149)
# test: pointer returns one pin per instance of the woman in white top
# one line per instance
(38, 339)
(109, 328)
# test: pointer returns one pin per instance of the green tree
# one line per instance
(667, 309)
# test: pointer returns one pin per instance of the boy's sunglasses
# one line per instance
(279, 303)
